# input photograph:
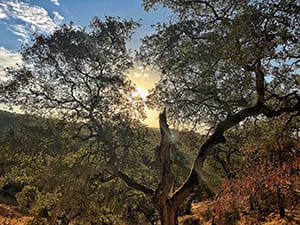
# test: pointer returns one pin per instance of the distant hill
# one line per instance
(7, 119)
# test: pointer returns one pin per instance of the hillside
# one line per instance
(7, 119)
(201, 212)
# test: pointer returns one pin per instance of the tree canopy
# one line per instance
(77, 73)
(218, 57)
(222, 63)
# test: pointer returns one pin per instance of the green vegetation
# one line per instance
(81, 155)
(54, 179)
(7, 120)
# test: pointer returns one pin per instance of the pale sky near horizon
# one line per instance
(20, 18)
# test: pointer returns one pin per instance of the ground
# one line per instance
(11, 215)
(201, 215)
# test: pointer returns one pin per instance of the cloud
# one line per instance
(55, 2)
(26, 19)
(2, 14)
(57, 17)
(33, 15)
(7, 59)
(20, 30)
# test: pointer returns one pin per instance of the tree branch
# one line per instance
(131, 183)
(218, 138)
(260, 84)
(206, 3)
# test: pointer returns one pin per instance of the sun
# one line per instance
(140, 92)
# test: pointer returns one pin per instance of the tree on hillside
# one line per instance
(269, 179)
(222, 62)
(78, 75)
(44, 160)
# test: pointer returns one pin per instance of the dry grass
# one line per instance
(10, 215)
(202, 215)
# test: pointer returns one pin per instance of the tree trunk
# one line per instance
(280, 203)
(161, 198)
(251, 203)
(168, 215)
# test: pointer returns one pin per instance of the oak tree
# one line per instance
(222, 62)
(79, 75)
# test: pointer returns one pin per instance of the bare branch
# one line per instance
(132, 183)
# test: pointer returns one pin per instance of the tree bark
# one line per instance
(280, 203)
(161, 198)
(168, 215)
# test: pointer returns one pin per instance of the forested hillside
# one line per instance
(227, 148)
(7, 120)
(47, 176)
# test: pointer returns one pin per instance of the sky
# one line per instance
(19, 19)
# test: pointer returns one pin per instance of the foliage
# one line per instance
(209, 54)
(7, 120)
(223, 62)
(78, 75)
(268, 183)
(27, 196)
(65, 180)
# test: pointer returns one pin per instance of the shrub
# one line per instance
(27, 196)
